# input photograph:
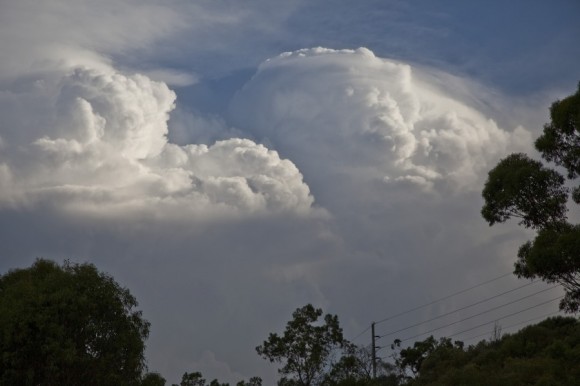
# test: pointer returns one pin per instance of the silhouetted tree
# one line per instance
(68, 325)
(192, 379)
(526, 189)
(305, 348)
(254, 381)
(153, 379)
(542, 354)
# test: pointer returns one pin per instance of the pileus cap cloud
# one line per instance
(351, 109)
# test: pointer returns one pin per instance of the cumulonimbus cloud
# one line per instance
(350, 110)
(94, 139)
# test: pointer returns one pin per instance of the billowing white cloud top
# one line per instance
(92, 139)
(96, 141)
(350, 110)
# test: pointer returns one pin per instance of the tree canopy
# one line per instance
(197, 379)
(153, 379)
(305, 348)
(315, 353)
(543, 354)
(68, 325)
(524, 188)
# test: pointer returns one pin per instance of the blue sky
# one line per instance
(232, 161)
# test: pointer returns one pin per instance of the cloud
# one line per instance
(352, 111)
(171, 77)
(96, 141)
(61, 33)
(210, 220)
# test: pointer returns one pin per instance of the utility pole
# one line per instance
(374, 351)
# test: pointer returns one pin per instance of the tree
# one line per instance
(411, 358)
(153, 379)
(215, 382)
(305, 348)
(196, 379)
(68, 325)
(523, 188)
(355, 368)
(542, 354)
(526, 189)
(254, 381)
(192, 379)
(355, 364)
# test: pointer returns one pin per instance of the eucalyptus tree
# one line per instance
(306, 347)
(523, 188)
(69, 324)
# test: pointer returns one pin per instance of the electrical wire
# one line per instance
(480, 325)
(474, 304)
(490, 332)
(511, 325)
(362, 332)
(433, 302)
(443, 298)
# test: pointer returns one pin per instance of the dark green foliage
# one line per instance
(68, 325)
(354, 364)
(196, 379)
(418, 359)
(355, 368)
(554, 255)
(524, 188)
(153, 379)
(521, 187)
(411, 359)
(192, 379)
(215, 382)
(254, 381)
(315, 353)
(544, 354)
(382, 380)
(560, 141)
(305, 348)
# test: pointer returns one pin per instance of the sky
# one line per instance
(230, 161)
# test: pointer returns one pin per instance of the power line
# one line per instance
(475, 304)
(493, 309)
(512, 325)
(473, 328)
(433, 302)
(444, 298)
(362, 332)
(490, 332)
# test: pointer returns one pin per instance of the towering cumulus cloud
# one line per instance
(95, 140)
(352, 110)
(78, 134)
